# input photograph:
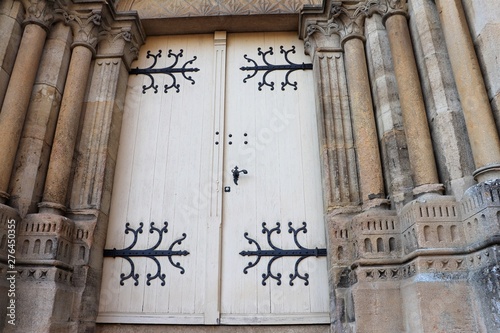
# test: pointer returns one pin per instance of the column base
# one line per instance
(46, 207)
(4, 196)
(376, 203)
(428, 190)
(487, 173)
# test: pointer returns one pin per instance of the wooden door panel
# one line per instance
(163, 167)
(282, 185)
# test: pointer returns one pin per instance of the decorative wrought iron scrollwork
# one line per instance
(276, 253)
(170, 71)
(268, 68)
(151, 253)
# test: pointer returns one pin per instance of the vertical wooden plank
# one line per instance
(213, 246)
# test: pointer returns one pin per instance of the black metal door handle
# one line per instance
(236, 174)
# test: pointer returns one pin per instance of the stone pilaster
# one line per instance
(447, 124)
(337, 151)
(38, 18)
(26, 187)
(340, 175)
(418, 137)
(479, 119)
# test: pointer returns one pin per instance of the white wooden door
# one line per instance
(163, 174)
(272, 134)
(174, 164)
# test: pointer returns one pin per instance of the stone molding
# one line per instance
(38, 274)
(193, 8)
(430, 265)
(346, 18)
(425, 228)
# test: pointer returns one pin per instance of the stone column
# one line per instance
(396, 163)
(451, 143)
(412, 103)
(39, 16)
(479, 119)
(11, 17)
(85, 30)
(365, 132)
(26, 186)
(482, 18)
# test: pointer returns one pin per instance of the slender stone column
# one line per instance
(484, 25)
(365, 132)
(61, 157)
(11, 17)
(30, 169)
(38, 19)
(451, 143)
(412, 104)
(479, 120)
(392, 138)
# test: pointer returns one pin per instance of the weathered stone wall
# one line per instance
(424, 264)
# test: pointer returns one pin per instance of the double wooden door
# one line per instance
(230, 176)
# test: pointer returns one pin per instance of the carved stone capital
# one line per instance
(340, 18)
(123, 40)
(393, 7)
(87, 26)
(350, 19)
(322, 35)
(40, 12)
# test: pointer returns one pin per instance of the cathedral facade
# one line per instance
(250, 166)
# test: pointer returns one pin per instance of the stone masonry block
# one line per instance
(378, 307)
(378, 234)
(46, 237)
(432, 223)
(481, 211)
